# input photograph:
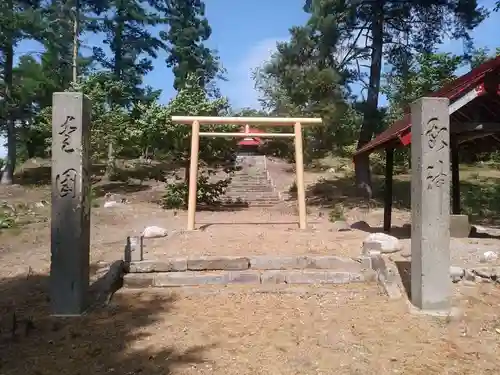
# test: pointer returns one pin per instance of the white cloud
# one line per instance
(240, 87)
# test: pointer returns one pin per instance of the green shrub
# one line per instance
(208, 193)
(337, 213)
(7, 216)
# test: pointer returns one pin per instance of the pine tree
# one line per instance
(132, 45)
(388, 24)
(19, 20)
(188, 29)
(132, 49)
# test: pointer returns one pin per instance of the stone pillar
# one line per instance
(70, 232)
(430, 205)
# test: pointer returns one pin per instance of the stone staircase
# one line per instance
(251, 185)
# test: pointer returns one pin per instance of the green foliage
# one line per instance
(6, 220)
(312, 74)
(193, 100)
(132, 46)
(337, 213)
(479, 198)
(209, 194)
(8, 216)
(188, 30)
(425, 73)
(306, 78)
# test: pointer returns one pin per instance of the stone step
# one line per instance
(197, 278)
(250, 190)
(252, 204)
(250, 181)
(263, 202)
(256, 195)
(252, 197)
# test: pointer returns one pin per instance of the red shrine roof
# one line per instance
(250, 141)
(470, 83)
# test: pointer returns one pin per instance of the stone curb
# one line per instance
(387, 277)
(260, 263)
(106, 285)
(195, 278)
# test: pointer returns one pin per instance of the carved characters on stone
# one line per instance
(66, 129)
(66, 183)
(438, 142)
(435, 175)
(436, 134)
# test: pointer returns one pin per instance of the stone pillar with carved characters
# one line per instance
(70, 227)
(430, 204)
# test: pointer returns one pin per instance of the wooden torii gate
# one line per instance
(196, 121)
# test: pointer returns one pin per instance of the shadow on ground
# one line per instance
(100, 342)
(203, 227)
(402, 232)
(118, 187)
(479, 196)
(404, 270)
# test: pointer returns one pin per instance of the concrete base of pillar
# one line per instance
(459, 226)
(453, 314)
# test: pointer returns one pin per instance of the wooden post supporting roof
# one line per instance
(389, 172)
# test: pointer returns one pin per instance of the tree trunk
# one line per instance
(117, 71)
(10, 163)
(370, 118)
(76, 32)
(110, 164)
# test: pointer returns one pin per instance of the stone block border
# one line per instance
(387, 277)
(249, 277)
(223, 270)
(237, 263)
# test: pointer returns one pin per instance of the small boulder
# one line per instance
(154, 232)
(381, 243)
(110, 204)
(456, 273)
(488, 256)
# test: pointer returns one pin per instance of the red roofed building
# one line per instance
(250, 144)
(474, 113)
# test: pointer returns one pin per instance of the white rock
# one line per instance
(154, 232)
(109, 204)
(480, 229)
(377, 243)
(456, 273)
(488, 256)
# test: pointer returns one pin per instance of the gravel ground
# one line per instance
(338, 330)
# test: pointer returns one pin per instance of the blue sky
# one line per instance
(245, 34)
